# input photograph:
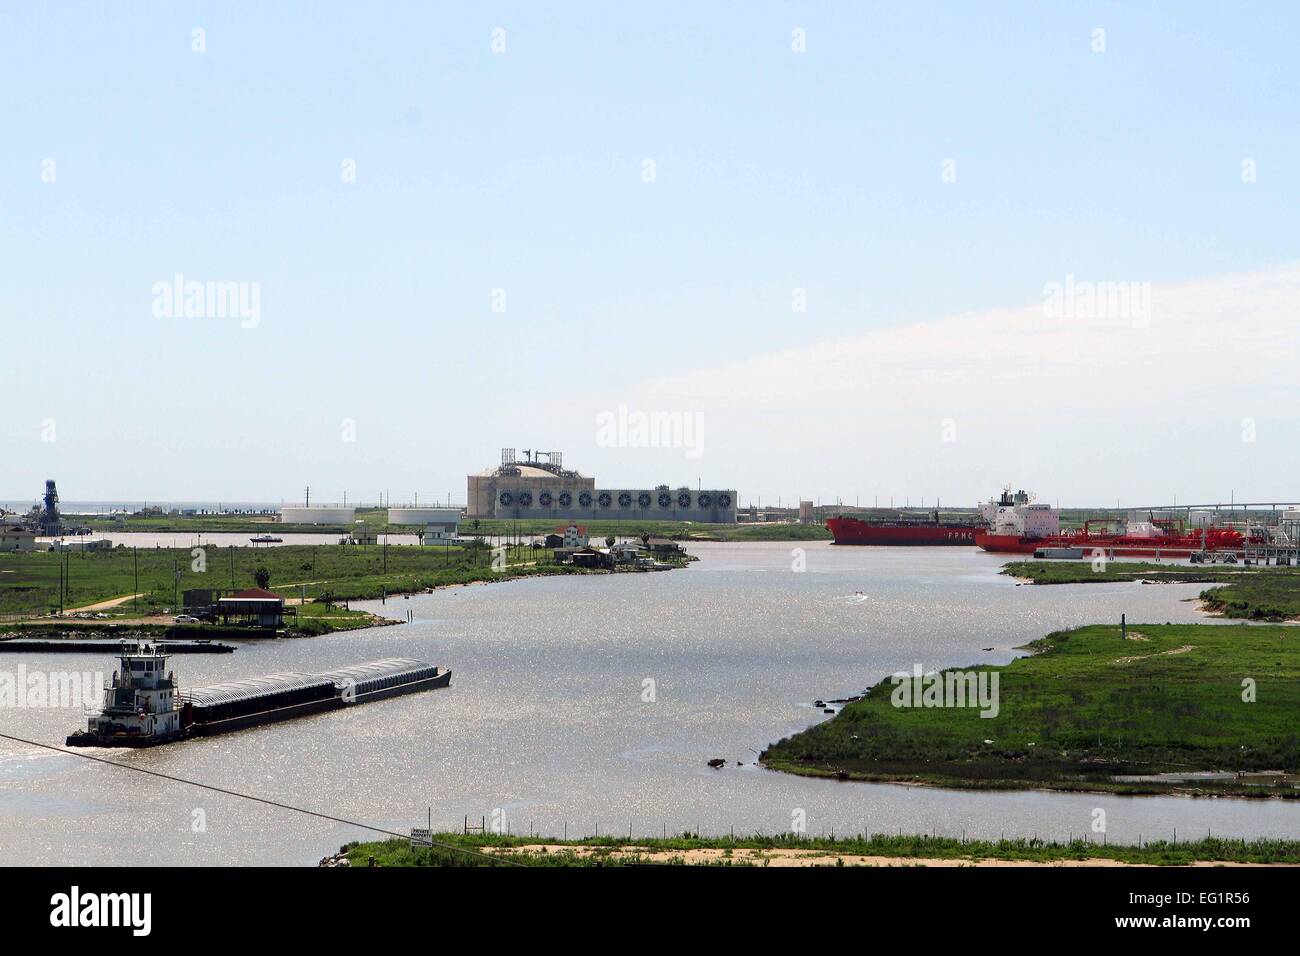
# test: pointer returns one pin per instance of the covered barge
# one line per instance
(143, 706)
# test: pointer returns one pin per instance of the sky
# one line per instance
(841, 252)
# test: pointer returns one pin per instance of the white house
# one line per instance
(17, 538)
(574, 536)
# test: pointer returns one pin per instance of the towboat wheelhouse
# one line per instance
(140, 704)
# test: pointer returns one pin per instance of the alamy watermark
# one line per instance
(1074, 299)
(74, 908)
(41, 689)
(191, 299)
(636, 429)
(952, 688)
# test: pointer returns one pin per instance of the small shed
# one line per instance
(252, 606)
(592, 558)
(664, 546)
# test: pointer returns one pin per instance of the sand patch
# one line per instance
(1142, 657)
(792, 857)
(104, 605)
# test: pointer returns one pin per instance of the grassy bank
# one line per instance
(458, 849)
(376, 519)
(1083, 572)
(373, 518)
(1084, 708)
(30, 583)
(676, 530)
(1259, 596)
(1251, 593)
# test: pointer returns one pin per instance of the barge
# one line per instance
(1157, 538)
(930, 529)
(143, 706)
(902, 531)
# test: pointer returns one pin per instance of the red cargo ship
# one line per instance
(903, 531)
(1164, 538)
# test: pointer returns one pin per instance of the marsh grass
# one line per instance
(1085, 707)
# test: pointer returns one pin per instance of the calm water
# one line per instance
(545, 720)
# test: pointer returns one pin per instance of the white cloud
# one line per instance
(1095, 406)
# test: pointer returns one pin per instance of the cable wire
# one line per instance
(256, 799)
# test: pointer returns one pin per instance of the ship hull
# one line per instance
(87, 739)
(854, 531)
(1009, 543)
(1114, 546)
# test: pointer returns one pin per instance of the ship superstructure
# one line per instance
(140, 705)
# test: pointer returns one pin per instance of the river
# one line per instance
(550, 724)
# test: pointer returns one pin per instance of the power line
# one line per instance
(249, 796)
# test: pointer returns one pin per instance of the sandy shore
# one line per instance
(790, 857)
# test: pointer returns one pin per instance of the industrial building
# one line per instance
(540, 486)
(50, 522)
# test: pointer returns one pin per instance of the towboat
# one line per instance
(143, 706)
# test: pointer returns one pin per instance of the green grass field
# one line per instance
(456, 849)
(30, 583)
(1260, 596)
(1253, 593)
(1087, 706)
(376, 519)
(676, 530)
(1083, 572)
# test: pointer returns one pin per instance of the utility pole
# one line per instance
(135, 593)
(307, 502)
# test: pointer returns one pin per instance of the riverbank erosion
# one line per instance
(1185, 708)
(799, 850)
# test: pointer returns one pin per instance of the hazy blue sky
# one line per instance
(774, 171)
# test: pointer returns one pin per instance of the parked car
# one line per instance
(186, 619)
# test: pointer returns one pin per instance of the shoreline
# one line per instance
(318, 582)
(1259, 594)
(788, 850)
(1115, 789)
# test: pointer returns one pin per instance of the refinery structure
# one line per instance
(539, 486)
